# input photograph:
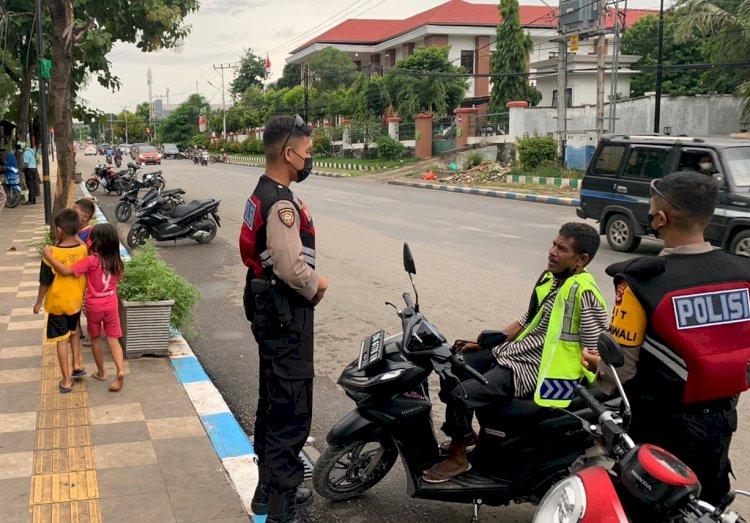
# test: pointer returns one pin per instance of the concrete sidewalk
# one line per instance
(138, 455)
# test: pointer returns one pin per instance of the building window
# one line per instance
(467, 61)
(568, 97)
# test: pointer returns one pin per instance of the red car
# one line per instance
(148, 154)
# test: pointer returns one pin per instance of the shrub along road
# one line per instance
(477, 259)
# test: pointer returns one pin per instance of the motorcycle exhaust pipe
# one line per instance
(200, 234)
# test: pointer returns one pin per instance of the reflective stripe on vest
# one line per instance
(307, 255)
(561, 367)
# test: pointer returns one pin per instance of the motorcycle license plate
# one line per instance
(371, 350)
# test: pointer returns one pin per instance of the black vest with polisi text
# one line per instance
(697, 343)
(253, 245)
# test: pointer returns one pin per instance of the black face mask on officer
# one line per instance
(303, 173)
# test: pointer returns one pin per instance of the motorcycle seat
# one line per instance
(527, 410)
(184, 210)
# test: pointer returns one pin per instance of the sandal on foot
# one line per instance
(471, 445)
(63, 389)
(79, 373)
(436, 475)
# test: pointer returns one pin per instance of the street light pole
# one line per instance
(125, 111)
(659, 59)
(43, 115)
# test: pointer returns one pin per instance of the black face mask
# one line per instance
(655, 232)
(303, 173)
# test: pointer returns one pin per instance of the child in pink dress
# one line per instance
(103, 268)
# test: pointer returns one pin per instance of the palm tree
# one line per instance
(725, 25)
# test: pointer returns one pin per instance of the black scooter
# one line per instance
(198, 220)
(523, 449)
(130, 200)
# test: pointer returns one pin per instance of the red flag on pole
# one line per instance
(268, 65)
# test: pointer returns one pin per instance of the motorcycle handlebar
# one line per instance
(458, 360)
(592, 401)
(407, 299)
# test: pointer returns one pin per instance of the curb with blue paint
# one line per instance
(538, 198)
(230, 442)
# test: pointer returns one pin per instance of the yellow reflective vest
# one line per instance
(561, 368)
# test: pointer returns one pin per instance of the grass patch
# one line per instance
(548, 171)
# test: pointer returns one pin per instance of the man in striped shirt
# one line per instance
(512, 368)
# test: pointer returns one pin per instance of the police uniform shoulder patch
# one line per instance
(287, 216)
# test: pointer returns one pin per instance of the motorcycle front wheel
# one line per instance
(92, 184)
(123, 211)
(13, 197)
(137, 236)
(345, 472)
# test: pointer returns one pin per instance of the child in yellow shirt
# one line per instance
(63, 296)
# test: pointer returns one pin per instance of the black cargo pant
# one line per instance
(699, 437)
(284, 413)
(31, 184)
(464, 398)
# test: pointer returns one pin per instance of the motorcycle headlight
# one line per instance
(565, 503)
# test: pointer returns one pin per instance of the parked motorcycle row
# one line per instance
(578, 464)
(161, 214)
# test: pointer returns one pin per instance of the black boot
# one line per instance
(282, 509)
(303, 498)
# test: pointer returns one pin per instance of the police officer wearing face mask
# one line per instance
(683, 320)
(277, 244)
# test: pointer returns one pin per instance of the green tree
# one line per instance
(19, 60)
(416, 84)
(291, 76)
(642, 38)
(510, 60)
(82, 33)
(181, 125)
(332, 68)
(251, 72)
(725, 28)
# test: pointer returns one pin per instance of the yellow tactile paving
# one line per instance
(63, 438)
(64, 485)
(63, 460)
(73, 512)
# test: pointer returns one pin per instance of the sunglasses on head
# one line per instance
(655, 190)
(299, 123)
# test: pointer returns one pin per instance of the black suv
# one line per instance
(615, 188)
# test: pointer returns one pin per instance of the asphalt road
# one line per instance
(477, 259)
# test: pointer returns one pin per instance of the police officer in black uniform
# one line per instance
(683, 319)
(277, 244)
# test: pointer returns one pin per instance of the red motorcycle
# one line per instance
(632, 483)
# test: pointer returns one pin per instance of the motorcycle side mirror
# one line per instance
(409, 260)
(609, 350)
(131, 165)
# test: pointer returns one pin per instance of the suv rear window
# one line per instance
(609, 159)
(646, 163)
(737, 161)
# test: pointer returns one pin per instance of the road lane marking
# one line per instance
(502, 234)
(345, 203)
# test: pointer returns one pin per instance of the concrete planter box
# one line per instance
(145, 327)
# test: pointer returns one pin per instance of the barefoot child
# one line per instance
(103, 268)
(63, 295)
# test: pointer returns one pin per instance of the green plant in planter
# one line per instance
(149, 278)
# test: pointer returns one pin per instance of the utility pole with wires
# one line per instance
(601, 52)
(221, 68)
(306, 83)
(562, 96)
(125, 112)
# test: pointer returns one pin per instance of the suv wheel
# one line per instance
(741, 244)
(621, 234)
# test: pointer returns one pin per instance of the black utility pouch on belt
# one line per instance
(272, 308)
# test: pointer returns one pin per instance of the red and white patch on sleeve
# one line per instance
(287, 216)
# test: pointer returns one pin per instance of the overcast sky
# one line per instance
(222, 28)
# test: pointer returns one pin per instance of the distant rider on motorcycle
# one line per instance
(543, 352)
